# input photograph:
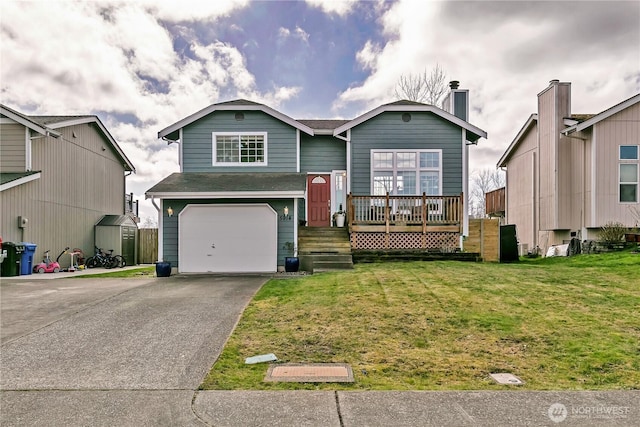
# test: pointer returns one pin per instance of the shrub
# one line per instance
(612, 232)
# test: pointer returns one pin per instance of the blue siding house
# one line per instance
(251, 178)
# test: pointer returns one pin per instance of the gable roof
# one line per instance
(603, 115)
(47, 125)
(57, 122)
(474, 133)
(27, 121)
(235, 105)
(531, 121)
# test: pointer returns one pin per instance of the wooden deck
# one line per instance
(417, 214)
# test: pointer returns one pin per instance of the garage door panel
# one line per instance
(228, 238)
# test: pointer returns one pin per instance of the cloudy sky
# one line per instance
(143, 65)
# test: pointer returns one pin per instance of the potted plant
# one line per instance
(339, 217)
(291, 262)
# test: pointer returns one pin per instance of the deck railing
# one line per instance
(404, 211)
(494, 202)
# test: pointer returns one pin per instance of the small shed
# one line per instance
(120, 233)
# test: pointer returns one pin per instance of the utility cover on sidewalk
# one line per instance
(310, 373)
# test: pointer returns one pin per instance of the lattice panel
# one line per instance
(406, 241)
(443, 241)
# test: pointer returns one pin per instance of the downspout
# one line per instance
(465, 183)
(295, 226)
(298, 150)
(27, 149)
(348, 149)
(160, 227)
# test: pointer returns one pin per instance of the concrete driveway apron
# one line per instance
(131, 341)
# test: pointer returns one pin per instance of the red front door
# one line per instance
(319, 200)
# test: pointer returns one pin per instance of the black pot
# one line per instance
(291, 264)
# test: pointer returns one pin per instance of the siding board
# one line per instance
(622, 128)
(322, 153)
(198, 144)
(12, 147)
(424, 131)
(80, 182)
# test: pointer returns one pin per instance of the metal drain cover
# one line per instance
(310, 373)
(508, 379)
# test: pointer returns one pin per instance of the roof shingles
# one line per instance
(213, 182)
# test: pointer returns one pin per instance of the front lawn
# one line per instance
(560, 323)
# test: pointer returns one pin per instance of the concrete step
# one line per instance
(333, 257)
(322, 231)
(324, 244)
(325, 262)
(324, 248)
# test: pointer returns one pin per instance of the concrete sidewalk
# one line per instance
(418, 408)
(319, 408)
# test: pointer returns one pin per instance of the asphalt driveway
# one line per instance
(107, 335)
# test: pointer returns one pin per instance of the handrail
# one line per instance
(390, 210)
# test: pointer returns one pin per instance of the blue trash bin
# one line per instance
(26, 260)
(163, 269)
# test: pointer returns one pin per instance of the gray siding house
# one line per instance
(59, 176)
(251, 176)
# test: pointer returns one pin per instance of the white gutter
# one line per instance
(160, 233)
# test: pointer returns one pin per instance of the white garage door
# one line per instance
(227, 239)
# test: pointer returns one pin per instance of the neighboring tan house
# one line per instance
(570, 174)
(60, 175)
(251, 177)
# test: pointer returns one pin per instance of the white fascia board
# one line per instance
(18, 118)
(323, 132)
(533, 118)
(234, 107)
(20, 181)
(105, 132)
(228, 195)
(603, 115)
(416, 108)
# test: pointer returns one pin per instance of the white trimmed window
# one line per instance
(246, 149)
(628, 173)
(406, 172)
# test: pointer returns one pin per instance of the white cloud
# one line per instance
(189, 10)
(284, 32)
(297, 33)
(120, 60)
(302, 34)
(339, 7)
(505, 54)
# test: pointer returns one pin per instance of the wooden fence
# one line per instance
(147, 245)
(484, 238)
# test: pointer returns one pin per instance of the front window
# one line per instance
(405, 172)
(239, 148)
(628, 174)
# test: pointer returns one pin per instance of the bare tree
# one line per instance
(483, 181)
(149, 222)
(422, 87)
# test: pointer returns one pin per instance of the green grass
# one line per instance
(557, 323)
(147, 271)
